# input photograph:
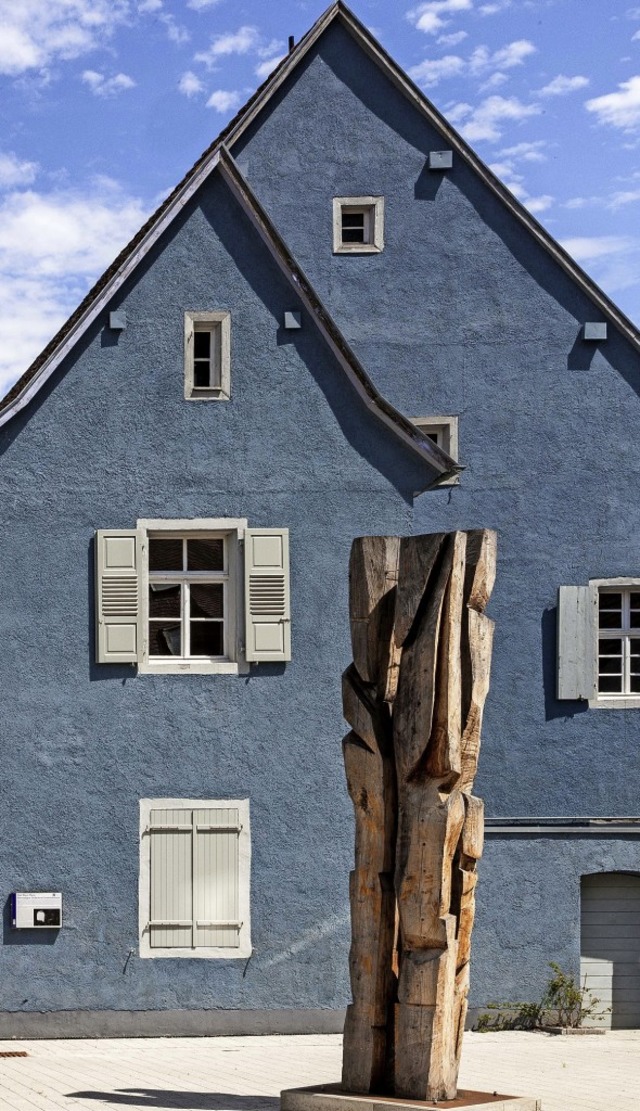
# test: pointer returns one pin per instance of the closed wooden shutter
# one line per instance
(577, 632)
(194, 898)
(118, 619)
(267, 603)
(610, 948)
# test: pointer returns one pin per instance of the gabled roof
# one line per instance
(218, 155)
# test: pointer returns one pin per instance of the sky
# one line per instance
(105, 104)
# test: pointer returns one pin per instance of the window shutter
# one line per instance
(577, 632)
(195, 878)
(118, 622)
(266, 587)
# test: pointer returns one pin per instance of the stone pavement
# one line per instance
(247, 1074)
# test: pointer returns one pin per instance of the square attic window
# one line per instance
(358, 225)
(207, 363)
(443, 430)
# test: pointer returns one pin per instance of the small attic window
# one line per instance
(207, 369)
(444, 433)
(358, 225)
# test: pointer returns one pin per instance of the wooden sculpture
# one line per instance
(414, 698)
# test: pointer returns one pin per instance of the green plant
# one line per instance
(570, 1003)
(510, 1016)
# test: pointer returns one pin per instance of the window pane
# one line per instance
(202, 345)
(165, 638)
(610, 606)
(610, 647)
(164, 601)
(353, 227)
(201, 375)
(610, 665)
(206, 554)
(634, 649)
(610, 684)
(206, 599)
(635, 684)
(634, 615)
(206, 638)
(165, 555)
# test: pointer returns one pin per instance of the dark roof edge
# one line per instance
(62, 342)
(400, 79)
(410, 435)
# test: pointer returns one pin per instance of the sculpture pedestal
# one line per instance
(331, 1097)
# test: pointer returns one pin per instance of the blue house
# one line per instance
(339, 323)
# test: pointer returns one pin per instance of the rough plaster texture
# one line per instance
(112, 440)
(461, 313)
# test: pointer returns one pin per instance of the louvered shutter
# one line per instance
(267, 605)
(577, 632)
(118, 623)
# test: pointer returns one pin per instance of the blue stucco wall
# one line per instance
(461, 313)
(464, 313)
(110, 440)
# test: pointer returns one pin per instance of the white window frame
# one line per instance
(373, 209)
(606, 700)
(444, 431)
(214, 322)
(244, 949)
(232, 531)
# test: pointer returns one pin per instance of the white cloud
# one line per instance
(494, 82)
(493, 9)
(175, 33)
(267, 67)
(431, 71)
(621, 109)
(190, 84)
(453, 39)
(13, 171)
(241, 41)
(513, 54)
(149, 5)
(37, 32)
(586, 248)
(107, 86)
(200, 5)
(538, 204)
(428, 17)
(484, 121)
(629, 196)
(48, 261)
(562, 85)
(224, 100)
(529, 152)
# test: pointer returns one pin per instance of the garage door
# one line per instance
(610, 946)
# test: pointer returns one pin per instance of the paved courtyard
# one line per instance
(247, 1074)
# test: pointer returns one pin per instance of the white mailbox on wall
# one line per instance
(36, 910)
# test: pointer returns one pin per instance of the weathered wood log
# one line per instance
(414, 704)
(373, 576)
(444, 754)
(418, 556)
(414, 698)
(429, 828)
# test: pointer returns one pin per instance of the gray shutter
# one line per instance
(266, 587)
(577, 632)
(118, 621)
(194, 896)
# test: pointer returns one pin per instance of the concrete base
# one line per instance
(331, 1097)
(166, 1024)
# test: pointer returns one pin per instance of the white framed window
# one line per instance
(358, 225)
(619, 641)
(599, 643)
(207, 356)
(199, 596)
(443, 430)
(195, 874)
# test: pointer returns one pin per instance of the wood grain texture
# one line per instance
(414, 698)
